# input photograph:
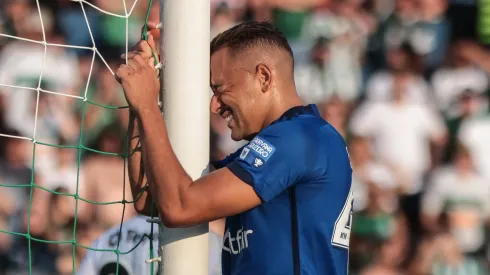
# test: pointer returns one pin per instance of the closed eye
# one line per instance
(215, 88)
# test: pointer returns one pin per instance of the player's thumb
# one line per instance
(152, 44)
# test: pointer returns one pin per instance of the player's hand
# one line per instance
(138, 77)
(147, 50)
(154, 29)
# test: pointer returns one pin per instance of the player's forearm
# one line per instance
(137, 178)
(168, 179)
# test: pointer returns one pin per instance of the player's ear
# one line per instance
(264, 75)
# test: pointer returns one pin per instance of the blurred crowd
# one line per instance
(406, 82)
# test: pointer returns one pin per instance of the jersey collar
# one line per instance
(296, 111)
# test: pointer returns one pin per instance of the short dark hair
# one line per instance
(250, 34)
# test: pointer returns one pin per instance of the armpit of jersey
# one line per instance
(273, 161)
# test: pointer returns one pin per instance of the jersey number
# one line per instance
(341, 231)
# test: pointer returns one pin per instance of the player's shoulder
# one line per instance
(299, 122)
(304, 133)
(308, 131)
(309, 128)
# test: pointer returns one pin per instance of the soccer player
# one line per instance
(105, 263)
(286, 195)
(132, 231)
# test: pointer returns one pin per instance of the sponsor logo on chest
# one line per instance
(234, 243)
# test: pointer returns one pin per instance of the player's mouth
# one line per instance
(227, 114)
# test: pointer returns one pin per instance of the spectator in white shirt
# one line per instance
(402, 62)
(348, 27)
(474, 133)
(314, 80)
(467, 105)
(464, 196)
(451, 81)
(368, 172)
(402, 133)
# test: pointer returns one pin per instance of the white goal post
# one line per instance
(184, 47)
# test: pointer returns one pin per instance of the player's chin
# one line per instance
(236, 134)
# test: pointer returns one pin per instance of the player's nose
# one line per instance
(215, 105)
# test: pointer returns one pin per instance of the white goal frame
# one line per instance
(184, 48)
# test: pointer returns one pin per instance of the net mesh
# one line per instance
(80, 147)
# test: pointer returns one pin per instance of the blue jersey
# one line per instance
(299, 167)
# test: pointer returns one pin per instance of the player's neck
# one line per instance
(282, 105)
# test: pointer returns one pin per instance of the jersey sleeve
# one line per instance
(272, 162)
(224, 162)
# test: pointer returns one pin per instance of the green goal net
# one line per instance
(39, 88)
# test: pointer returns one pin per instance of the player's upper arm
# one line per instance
(266, 167)
(273, 161)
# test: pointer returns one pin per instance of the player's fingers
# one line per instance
(140, 57)
(122, 72)
(152, 44)
(155, 55)
(130, 55)
(137, 62)
(151, 62)
(143, 46)
(152, 25)
(133, 63)
(140, 60)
